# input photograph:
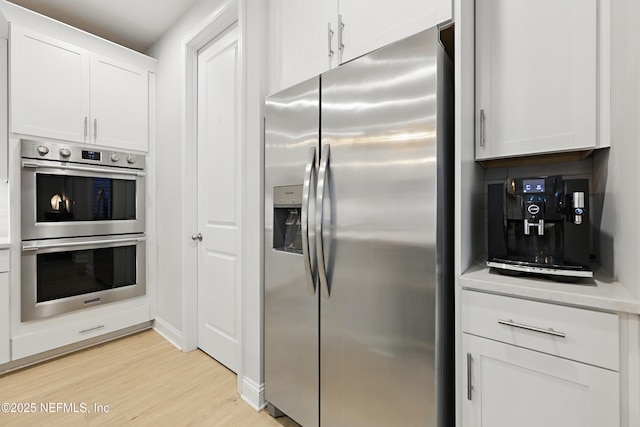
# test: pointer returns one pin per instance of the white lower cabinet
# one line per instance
(537, 364)
(42, 340)
(5, 324)
(513, 386)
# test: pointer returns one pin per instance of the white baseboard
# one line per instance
(253, 394)
(169, 333)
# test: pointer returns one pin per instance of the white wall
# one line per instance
(169, 114)
(253, 30)
(173, 253)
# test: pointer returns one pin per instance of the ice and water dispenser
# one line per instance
(287, 218)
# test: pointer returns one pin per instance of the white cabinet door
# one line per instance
(369, 25)
(306, 35)
(119, 104)
(536, 67)
(303, 40)
(513, 386)
(4, 114)
(62, 91)
(49, 86)
(5, 319)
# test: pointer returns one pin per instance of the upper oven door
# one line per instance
(67, 200)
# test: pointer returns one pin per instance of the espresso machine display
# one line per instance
(539, 225)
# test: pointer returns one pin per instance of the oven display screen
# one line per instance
(533, 186)
(91, 155)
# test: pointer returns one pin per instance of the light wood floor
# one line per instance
(142, 379)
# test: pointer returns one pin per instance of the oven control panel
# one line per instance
(86, 154)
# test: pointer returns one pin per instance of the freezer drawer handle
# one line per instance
(322, 175)
(309, 264)
(548, 331)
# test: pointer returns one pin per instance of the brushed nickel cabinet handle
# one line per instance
(548, 331)
(84, 331)
(330, 37)
(483, 120)
(469, 386)
(340, 35)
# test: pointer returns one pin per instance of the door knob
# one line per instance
(197, 237)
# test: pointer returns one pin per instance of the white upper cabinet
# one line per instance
(308, 37)
(368, 25)
(119, 104)
(61, 91)
(536, 77)
(303, 36)
(49, 86)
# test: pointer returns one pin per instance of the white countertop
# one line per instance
(601, 292)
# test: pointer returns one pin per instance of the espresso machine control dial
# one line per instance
(578, 207)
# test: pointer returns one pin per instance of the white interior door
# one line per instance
(219, 200)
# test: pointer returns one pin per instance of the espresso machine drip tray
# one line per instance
(506, 266)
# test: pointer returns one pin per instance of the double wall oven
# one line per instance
(83, 227)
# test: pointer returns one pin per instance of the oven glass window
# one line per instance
(71, 273)
(78, 198)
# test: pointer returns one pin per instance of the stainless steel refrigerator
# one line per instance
(358, 298)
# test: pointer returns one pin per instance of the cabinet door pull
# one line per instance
(548, 331)
(340, 33)
(469, 387)
(330, 36)
(483, 120)
(95, 129)
(95, 328)
(86, 125)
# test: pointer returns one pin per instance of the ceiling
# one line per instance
(136, 24)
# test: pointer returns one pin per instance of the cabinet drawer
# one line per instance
(49, 339)
(577, 334)
(4, 261)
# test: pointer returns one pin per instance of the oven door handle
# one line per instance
(27, 247)
(35, 165)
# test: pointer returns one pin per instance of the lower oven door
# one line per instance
(64, 275)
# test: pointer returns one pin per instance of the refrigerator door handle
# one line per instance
(309, 266)
(322, 175)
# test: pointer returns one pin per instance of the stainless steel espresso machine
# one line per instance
(540, 225)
